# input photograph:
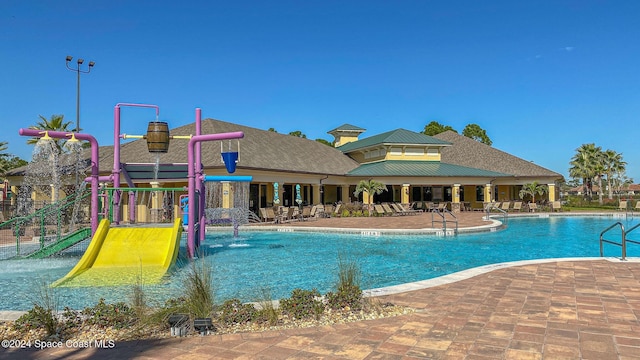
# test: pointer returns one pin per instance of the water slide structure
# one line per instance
(126, 255)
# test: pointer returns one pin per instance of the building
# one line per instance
(414, 167)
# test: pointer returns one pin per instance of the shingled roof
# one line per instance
(468, 152)
(260, 149)
(420, 168)
(398, 136)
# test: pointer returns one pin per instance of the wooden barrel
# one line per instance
(158, 137)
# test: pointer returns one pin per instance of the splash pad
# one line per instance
(158, 142)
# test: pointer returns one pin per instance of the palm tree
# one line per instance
(370, 187)
(532, 189)
(583, 166)
(613, 164)
(3, 156)
(56, 123)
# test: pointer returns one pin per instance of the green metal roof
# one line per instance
(347, 127)
(420, 168)
(398, 136)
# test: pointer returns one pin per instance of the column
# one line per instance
(315, 194)
(455, 198)
(487, 193)
(345, 193)
(552, 192)
(227, 195)
(156, 203)
(404, 194)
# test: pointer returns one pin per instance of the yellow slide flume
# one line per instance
(126, 255)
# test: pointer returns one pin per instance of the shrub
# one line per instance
(37, 317)
(267, 312)
(199, 290)
(118, 315)
(235, 312)
(303, 304)
(348, 294)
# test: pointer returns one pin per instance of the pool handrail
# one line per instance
(444, 220)
(627, 240)
(622, 243)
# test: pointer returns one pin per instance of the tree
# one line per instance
(3, 157)
(435, 128)
(584, 166)
(369, 188)
(272, 130)
(326, 142)
(532, 189)
(613, 164)
(475, 132)
(56, 123)
(298, 133)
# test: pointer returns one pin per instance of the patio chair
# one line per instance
(315, 212)
(398, 209)
(533, 207)
(388, 210)
(379, 210)
(440, 207)
(407, 209)
(271, 214)
(637, 207)
(623, 205)
(328, 210)
(306, 212)
(556, 206)
(517, 206)
(505, 205)
(337, 211)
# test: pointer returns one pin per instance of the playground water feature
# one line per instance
(242, 267)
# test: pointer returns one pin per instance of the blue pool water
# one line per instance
(281, 261)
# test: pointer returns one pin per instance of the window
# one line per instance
(480, 193)
(396, 151)
(414, 151)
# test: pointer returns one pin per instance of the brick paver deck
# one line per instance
(554, 310)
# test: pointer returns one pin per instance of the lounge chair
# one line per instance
(397, 209)
(505, 205)
(533, 207)
(441, 206)
(315, 212)
(623, 205)
(328, 210)
(637, 208)
(337, 211)
(271, 214)
(517, 206)
(379, 210)
(388, 209)
(556, 206)
(306, 212)
(408, 210)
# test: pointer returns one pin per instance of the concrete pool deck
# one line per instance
(554, 309)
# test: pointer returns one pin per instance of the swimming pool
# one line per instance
(282, 261)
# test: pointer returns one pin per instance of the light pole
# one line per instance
(77, 69)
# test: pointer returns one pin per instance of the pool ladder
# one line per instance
(623, 242)
(442, 214)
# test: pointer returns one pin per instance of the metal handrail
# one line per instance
(622, 243)
(626, 239)
(491, 206)
(444, 220)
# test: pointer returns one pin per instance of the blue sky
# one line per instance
(541, 77)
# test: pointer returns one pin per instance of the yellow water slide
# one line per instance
(126, 255)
